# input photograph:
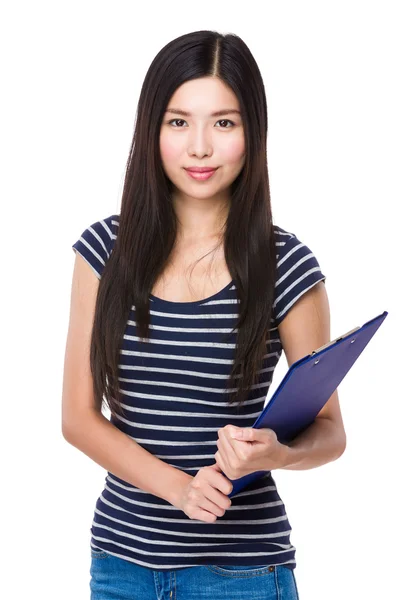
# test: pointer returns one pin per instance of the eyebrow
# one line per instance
(218, 113)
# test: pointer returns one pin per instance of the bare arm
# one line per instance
(305, 328)
(116, 452)
(322, 442)
(83, 424)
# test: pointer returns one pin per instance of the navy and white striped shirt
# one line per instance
(173, 394)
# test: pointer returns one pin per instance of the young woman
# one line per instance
(181, 307)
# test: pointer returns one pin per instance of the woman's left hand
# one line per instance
(244, 450)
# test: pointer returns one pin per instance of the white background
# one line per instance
(342, 84)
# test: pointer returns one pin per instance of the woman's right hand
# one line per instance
(205, 497)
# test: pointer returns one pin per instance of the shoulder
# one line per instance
(282, 237)
(104, 230)
(96, 242)
(297, 271)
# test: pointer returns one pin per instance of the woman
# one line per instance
(177, 322)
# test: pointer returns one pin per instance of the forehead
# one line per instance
(203, 97)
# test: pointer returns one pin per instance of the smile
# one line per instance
(200, 176)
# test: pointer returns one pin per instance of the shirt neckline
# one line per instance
(195, 302)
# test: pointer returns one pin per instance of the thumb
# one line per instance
(216, 467)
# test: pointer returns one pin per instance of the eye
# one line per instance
(220, 121)
(226, 121)
(172, 120)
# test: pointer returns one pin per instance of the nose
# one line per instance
(199, 142)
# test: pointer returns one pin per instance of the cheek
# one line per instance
(168, 149)
(234, 152)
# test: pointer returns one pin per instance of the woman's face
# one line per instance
(198, 139)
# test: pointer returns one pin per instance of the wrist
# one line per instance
(176, 487)
(285, 456)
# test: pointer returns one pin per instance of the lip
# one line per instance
(200, 169)
(201, 174)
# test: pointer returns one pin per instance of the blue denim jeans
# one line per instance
(113, 577)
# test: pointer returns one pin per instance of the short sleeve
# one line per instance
(96, 242)
(297, 272)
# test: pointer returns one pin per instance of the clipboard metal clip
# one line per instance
(334, 341)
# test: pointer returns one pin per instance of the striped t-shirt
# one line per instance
(174, 401)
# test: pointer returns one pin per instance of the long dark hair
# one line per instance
(148, 224)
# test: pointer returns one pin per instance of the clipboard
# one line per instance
(307, 386)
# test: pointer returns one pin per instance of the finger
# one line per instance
(246, 434)
(221, 463)
(245, 449)
(226, 447)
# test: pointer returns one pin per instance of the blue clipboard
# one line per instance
(307, 386)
